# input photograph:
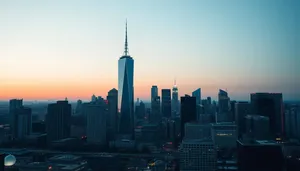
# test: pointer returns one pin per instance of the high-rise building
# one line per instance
(14, 104)
(259, 156)
(197, 154)
(223, 101)
(224, 135)
(257, 127)
(166, 103)
(271, 106)
(292, 122)
(113, 118)
(58, 121)
(155, 110)
(175, 102)
(154, 92)
(140, 110)
(188, 112)
(96, 123)
(23, 122)
(197, 131)
(241, 110)
(197, 94)
(126, 91)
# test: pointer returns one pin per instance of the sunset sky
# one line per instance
(56, 49)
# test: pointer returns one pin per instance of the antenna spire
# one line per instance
(126, 53)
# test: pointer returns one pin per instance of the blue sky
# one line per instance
(243, 46)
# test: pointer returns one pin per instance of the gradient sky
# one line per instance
(56, 49)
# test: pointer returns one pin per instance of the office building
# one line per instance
(140, 111)
(175, 100)
(58, 121)
(271, 106)
(13, 105)
(292, 122)
(22, 122)
(197, 155)
(126, 92)
(259, 156)
(188, 112)
(154, 92)
(112, 124)
(224, 102)
(257, 127)
(241, 110)
(155, 110)
(96, 123)
(197, 94)
(224, 135)
(197, 131)
(166, 103)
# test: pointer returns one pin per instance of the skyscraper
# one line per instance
(166, 103)
(112, 99)
(58, 121)
(125, 91)
(175, 100)
(270, 105)
(188, 112)
(14, 104)
(154, 92)
(22, 120)
(197, 94)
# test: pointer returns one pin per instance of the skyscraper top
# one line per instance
(126, 52)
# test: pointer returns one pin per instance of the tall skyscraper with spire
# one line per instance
(126, 91)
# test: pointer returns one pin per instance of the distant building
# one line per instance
(197, 94)
(166, 103)
(14, 104)
(241, 110)
(155, 110)
(96, 123)
(113, 118)
(270, 105)
(257, 127)
(224, 102)
(259, 156)
(197, 131)
(292, 122)
(22, 122)
(197, 155)
(140, 111)
(175, 100)
(58, 121)
(224, 135)
(154, 92)
(188, 112)
(79, 110)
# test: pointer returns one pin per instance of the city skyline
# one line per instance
(52, 52)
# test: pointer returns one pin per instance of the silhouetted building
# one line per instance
(257, 127)
(14, 104)
(175, 102)
(155, 110)
(140, 111)
(166, 103)
(232, 111)
(197, 131)
(126, 92)
(154, 92)
(197, 94)
(58, 121)
(292, 122)
(241, 110)
(224, 102)
(271, 106)
(188, 111)
(22, 122)
(113, 118)
(96, 123)
(259, 156)
(79, 109)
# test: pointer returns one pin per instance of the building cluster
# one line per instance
(202, 134)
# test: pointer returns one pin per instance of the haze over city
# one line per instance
(55, 49)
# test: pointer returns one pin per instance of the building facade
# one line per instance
(166, 103)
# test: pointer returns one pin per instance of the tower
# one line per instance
(125, 91)
(175, 99)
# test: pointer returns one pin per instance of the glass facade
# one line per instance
(125, 94)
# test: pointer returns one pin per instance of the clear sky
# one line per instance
(59, 48)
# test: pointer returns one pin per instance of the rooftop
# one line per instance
(258, 142)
